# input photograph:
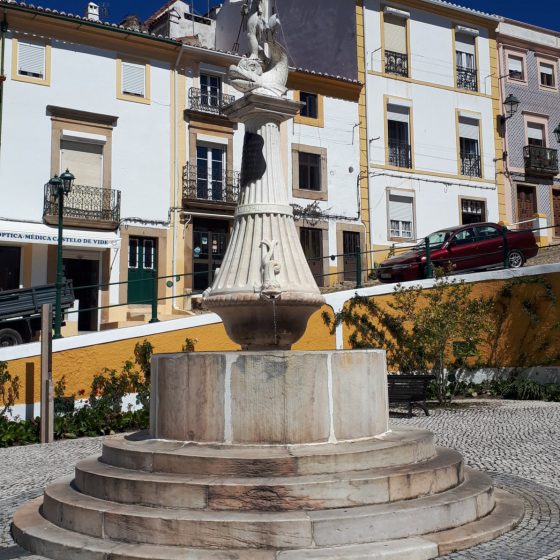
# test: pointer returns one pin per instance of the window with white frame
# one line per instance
(472, 211)
(31, 60)
(547, 75)
(469, 146)
(134, 79)
(516, 67)
(465, 61)
(401, 216)
(210, 90)
(535, 134)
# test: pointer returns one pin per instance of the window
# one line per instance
(465, 61)
(398, 136)
(535, 134)
(133, 252)
(396, 52)
(311, 113)
(310, 108)
(488, 232)
(210, 178)
(469, 150)
(547, 74)
(309, 171)
(133, 81)
(85, 160)
(31, 60)
(516, 67)
(465, 237)
(401, 212)
(472, 211)
(210, 90)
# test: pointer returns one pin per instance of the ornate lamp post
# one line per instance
(61, 187)
(557, 133)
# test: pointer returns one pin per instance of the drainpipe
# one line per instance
(3, 31)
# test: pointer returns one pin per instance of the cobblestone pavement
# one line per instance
(518, 443)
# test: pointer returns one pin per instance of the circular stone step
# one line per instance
(69, 509)
(32, 531)
(325, 491)
(401, 446)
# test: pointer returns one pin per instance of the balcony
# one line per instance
(84, 206)
(205, 102)
(217, 192)
(471, 165)
(540, 160)
(467, 78)
(400, 154)
(396, 63)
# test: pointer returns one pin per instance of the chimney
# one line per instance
(92, 11)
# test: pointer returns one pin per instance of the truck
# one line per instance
(20, 311)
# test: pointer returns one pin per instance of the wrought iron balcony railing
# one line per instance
(467, 78)
(198, 186)
(396, 63)
(94, 207)
(400, 154)
(541, 160)
(471, 165)
(205, 102)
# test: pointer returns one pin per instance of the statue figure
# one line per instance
(262, 72)
(269, 268)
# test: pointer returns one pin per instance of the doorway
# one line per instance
(84, 272)
(210, 239)
(142, 269)
(312, 244)
(10, 266)
(351, 245)
(526, 205)
(556, 211)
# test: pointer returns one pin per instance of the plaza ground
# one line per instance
(518, 443)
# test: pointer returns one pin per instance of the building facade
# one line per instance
(432, 100)
(529, 72)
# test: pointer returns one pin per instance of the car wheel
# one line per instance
(9, 337)
(516, 259)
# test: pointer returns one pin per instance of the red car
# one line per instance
(469, 247)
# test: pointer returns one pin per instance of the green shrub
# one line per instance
(9, 389)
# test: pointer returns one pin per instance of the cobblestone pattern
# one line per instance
(517, 442)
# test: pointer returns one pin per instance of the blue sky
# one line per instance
(545, 13)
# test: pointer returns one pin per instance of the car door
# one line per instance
(490, 245)
(462, 252)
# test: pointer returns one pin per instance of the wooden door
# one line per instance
(142, 268)
(209, 248)
(312, 243)
(526, 205)
(351, 245)
(556, 211)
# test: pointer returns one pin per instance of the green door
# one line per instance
(142, 269)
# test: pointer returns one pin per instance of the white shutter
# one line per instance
(400, 208)
(398, 113)
(468, 128)
(133, 79)
(464, 43)
(535, 131)
(31, 60)
(84, 160)
(515, 64)
(395, 34)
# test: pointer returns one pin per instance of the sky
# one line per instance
(545, 13)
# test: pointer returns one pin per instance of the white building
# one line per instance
(432, 103)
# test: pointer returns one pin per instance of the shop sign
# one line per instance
(50, 239)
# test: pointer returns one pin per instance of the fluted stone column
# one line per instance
(264, 292)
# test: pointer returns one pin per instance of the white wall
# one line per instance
(84, 78)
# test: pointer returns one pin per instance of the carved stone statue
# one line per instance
(265, 70)
(270, 269)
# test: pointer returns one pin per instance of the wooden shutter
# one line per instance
(134, 79)
(395, 34)
(31, 60)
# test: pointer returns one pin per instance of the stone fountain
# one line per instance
(266, 454)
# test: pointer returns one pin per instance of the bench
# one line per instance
(410, 389)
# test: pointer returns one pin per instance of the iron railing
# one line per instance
(471, 165)
(204, 101)
(97, 206)
(396, 63)
(539, 159)
(467, 78)
(199, 186)
(400, 154)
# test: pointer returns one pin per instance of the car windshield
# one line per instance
(437, 239)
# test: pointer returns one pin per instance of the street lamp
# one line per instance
(60, 187)
(511, 105)
(557, 133)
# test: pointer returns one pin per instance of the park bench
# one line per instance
(410, 389)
